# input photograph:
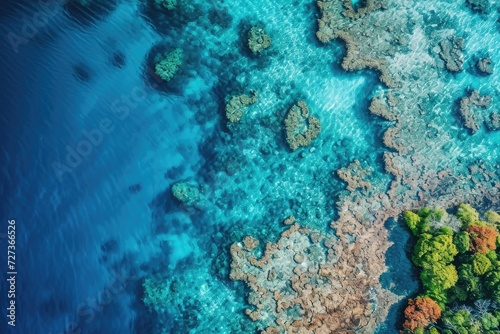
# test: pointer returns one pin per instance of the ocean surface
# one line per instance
(90, 146)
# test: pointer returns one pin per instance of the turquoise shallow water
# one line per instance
(113, 217)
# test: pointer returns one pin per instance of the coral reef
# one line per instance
(451, 52)
(234, 106)
(258, 40)
(355, 176)
(494, 122)
(300, 127)
(368, 7)
(485, 66)
(304, 282)
(405, 53)
(168, 64)
(468, 112)
(384, 106)
(166, 4)
(156, 294)
(179, 301)
(339, 21)
(187, 192)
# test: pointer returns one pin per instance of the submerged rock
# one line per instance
(135, 188)
(258, 40)
(187, 192)
(480, 6)
(82, 72)
(468, 104)
(451, 53)
(118, 59)
(167, 4)
(485, 66)
(235, 105)
(494, 122)
(300, 128)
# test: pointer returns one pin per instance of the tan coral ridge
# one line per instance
(355, 176)
(300, 127)
(339, 21)
(235, 105)
(385, 106)
(310, 282)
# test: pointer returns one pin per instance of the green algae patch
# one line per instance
(460, 272)
(168, 64)
(300, 127)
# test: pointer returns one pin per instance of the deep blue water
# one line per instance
(66, 218)
(90, 148)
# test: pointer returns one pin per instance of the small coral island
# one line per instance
(235, 105)
(186, 192)
(300, 128)
(460, 272)
(168, 64)
(258, 40)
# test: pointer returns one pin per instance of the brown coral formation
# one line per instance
(485, 66)
(235, 105)
(323, 286)
(468, 109)
(258, 40)
(249, 243)
(494, 121)
(480, 6)
(384, 106)
(339, 21)
(355, 176)
(300, 127)
(451, 53)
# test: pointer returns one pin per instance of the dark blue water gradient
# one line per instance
(60, 88)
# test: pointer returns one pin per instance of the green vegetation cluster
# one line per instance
(460, 272)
